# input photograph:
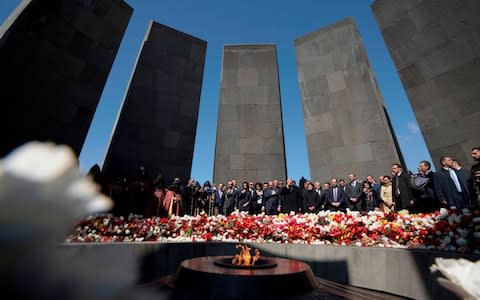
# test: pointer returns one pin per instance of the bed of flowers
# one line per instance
(443, 230)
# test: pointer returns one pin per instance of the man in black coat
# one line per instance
(270, 199)
(451, 186)
(324, 196)
(290, 200)
(423, 189)
(401, 188)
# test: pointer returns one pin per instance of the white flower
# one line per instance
(463, 276)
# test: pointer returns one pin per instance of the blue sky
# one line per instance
(221, 22)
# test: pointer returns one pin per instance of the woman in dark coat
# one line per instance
(311, 200)
(243, 198)
(257, 199)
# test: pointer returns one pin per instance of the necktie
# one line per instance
(397, 184)
(454, 177)
(335, 195)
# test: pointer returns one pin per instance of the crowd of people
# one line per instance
(451, 187)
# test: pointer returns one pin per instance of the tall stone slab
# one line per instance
(55, 57)
(157, 121)
(435, 46)
(345, 123)
(250, 143)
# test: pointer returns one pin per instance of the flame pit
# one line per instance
(261, 263)
(245, 260)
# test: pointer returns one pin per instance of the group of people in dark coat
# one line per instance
(354, 195)
(256, 198)
(274, 197)
(450, 187)
(426, 191)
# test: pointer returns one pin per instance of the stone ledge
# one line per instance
(401, 272)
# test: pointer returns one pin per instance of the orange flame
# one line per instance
(245, 258)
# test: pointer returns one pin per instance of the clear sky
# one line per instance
(221, 22)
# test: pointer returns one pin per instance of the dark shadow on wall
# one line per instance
(166, 260)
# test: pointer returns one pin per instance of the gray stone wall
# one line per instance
(435, 46)
(55, 57)
(250, 143)
(346, 127)
(157, 122)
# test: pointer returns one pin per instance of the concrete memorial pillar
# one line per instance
(55, 57)
(435, 46)
(345, 123)
(250, 143)
(157, 121)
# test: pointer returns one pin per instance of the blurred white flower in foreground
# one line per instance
(41, 192)
(462, 276)
(34, 177)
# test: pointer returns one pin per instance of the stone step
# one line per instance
(351, 292)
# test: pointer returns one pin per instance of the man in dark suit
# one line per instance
(451, 185)
(219, 197)
(336, 196)
(353, 190)
(230, 197)
(401, 188)
(318, 188)
(270, 199)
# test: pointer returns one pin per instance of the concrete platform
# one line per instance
(400, 272)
